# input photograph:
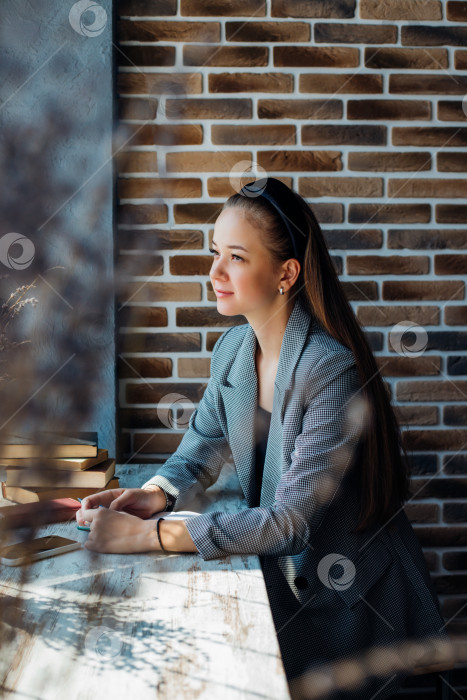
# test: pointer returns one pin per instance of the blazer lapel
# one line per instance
(240, 395)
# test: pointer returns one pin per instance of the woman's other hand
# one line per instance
(140, 502)
(112, 532)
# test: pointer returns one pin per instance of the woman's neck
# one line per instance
(269, 330)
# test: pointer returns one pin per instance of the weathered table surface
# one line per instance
(139, 625)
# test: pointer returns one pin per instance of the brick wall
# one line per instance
(357, 105)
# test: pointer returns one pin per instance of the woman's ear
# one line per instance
(290, 271)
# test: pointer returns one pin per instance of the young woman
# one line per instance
(296, 397)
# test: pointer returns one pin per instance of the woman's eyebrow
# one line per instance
(240, 247)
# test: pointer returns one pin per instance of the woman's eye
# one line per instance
(211, 250)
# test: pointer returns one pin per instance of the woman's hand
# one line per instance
(119, 533)
(140, 502)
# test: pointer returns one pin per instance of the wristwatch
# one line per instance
(169, 501)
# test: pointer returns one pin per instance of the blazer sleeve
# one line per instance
(323, 450)
(203, 449)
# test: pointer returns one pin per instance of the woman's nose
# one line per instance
(217, 269)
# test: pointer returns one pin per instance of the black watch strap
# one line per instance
(170, 501)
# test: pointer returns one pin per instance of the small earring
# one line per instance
(281, 290)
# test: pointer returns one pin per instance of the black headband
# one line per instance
(279, 195)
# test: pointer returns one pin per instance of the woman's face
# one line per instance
(241, 266)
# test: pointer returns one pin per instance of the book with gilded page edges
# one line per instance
(54, 444)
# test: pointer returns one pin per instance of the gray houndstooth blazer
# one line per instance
(352, 590)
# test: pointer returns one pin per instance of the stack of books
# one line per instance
(74, 467)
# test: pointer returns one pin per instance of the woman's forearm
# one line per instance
(174, 537)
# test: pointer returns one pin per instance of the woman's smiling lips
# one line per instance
(221, 293)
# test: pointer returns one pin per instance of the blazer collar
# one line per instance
(243, 368)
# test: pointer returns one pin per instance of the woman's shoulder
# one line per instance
(323, 358)
(321, 343)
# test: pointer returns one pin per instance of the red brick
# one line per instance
(267, 31)
(421, 59)
(218, 8)
(389, 213)
(401, 9)
(283, 134)
(144, 292)
(455, 315)
(162, 443)
(435, 390)
(444, 136)
(344, 134)
(340, 83)
(140, 418)
(194, 367)
(204, 316)
(426, 239)
(423, 84)
(313, 8)
(200, 55)
(349, 239)
(299, 160)
(211, 338)
(142, 316)
(388, 109)
(389, 161)
(300, 109)
(460, 60)
(163, 135)
(141, 8)
(136, 367)
(318, 56)
(451, 264)
(427, 188)
(190, 264)
(250, 82)
(159, 83)
(387, 265)
(332, 33)
(340, 186)
(136, 30)
(397, 290)
(360, 290)
(205, 161)
(451, 213)
(159, 342)
(146, 55)
(449, 110)
(390, 315)
(455, 415)
(416, 415)
(128, 266)
(142, 214)
(328, 212)
(442, 536)
(398, 366)
(224, 187)
(209, 108)
(456, 11)
(134, 108)
(449, 440)
(159, 239)
(148, 187)
(137, 162)
(432, 35)
(422, 513)
(195, 213)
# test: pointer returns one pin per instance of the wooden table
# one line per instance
(139, 625)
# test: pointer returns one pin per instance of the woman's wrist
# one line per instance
(174, 537)
(160, 499)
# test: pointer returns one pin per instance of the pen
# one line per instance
(84, 527)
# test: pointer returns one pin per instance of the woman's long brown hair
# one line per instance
(384, 482)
